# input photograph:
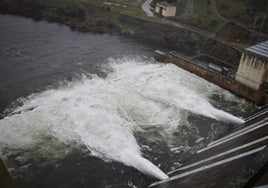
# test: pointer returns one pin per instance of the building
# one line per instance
(253, 66)
(165, 9)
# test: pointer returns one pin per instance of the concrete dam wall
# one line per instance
(217, 78)
(239, 159)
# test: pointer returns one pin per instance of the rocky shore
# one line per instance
(75, 14)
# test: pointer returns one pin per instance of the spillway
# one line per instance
(238, 159)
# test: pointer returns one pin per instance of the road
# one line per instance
(146, 8)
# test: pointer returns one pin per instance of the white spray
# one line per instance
(102, 114)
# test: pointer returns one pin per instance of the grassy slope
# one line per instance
(245, 12)
(83, 15)
(203, 17)
(240, 11)
(95, 16)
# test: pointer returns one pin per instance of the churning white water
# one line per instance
(103, 113)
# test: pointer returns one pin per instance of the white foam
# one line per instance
(102, 114)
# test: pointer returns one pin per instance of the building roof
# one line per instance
(165, 4)
(259, 49)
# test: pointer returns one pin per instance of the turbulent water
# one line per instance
(122, 107)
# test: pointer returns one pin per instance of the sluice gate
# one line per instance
(211, 75)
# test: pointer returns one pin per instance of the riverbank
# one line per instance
(77, 15)
(87, 16)
(130, 20)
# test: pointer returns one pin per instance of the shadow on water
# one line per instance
(80, 170)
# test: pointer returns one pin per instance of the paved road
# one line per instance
(146, 8)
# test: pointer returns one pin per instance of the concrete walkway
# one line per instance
(146, 8)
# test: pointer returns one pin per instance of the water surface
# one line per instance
(84, 110)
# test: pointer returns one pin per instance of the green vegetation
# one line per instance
(128, 7)
(101, 16)
(209, 15)
(233, 32)
(253, 14)
(243, 11)
(236, 20)
(201, 15)
(212, 15)
(81, 15)
(54, 10)
(126, 17)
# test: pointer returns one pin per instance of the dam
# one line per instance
(214, 75)
(68, 106)
(236, 160)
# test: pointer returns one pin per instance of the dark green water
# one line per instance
(82, 110)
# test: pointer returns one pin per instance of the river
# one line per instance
(84, 110)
